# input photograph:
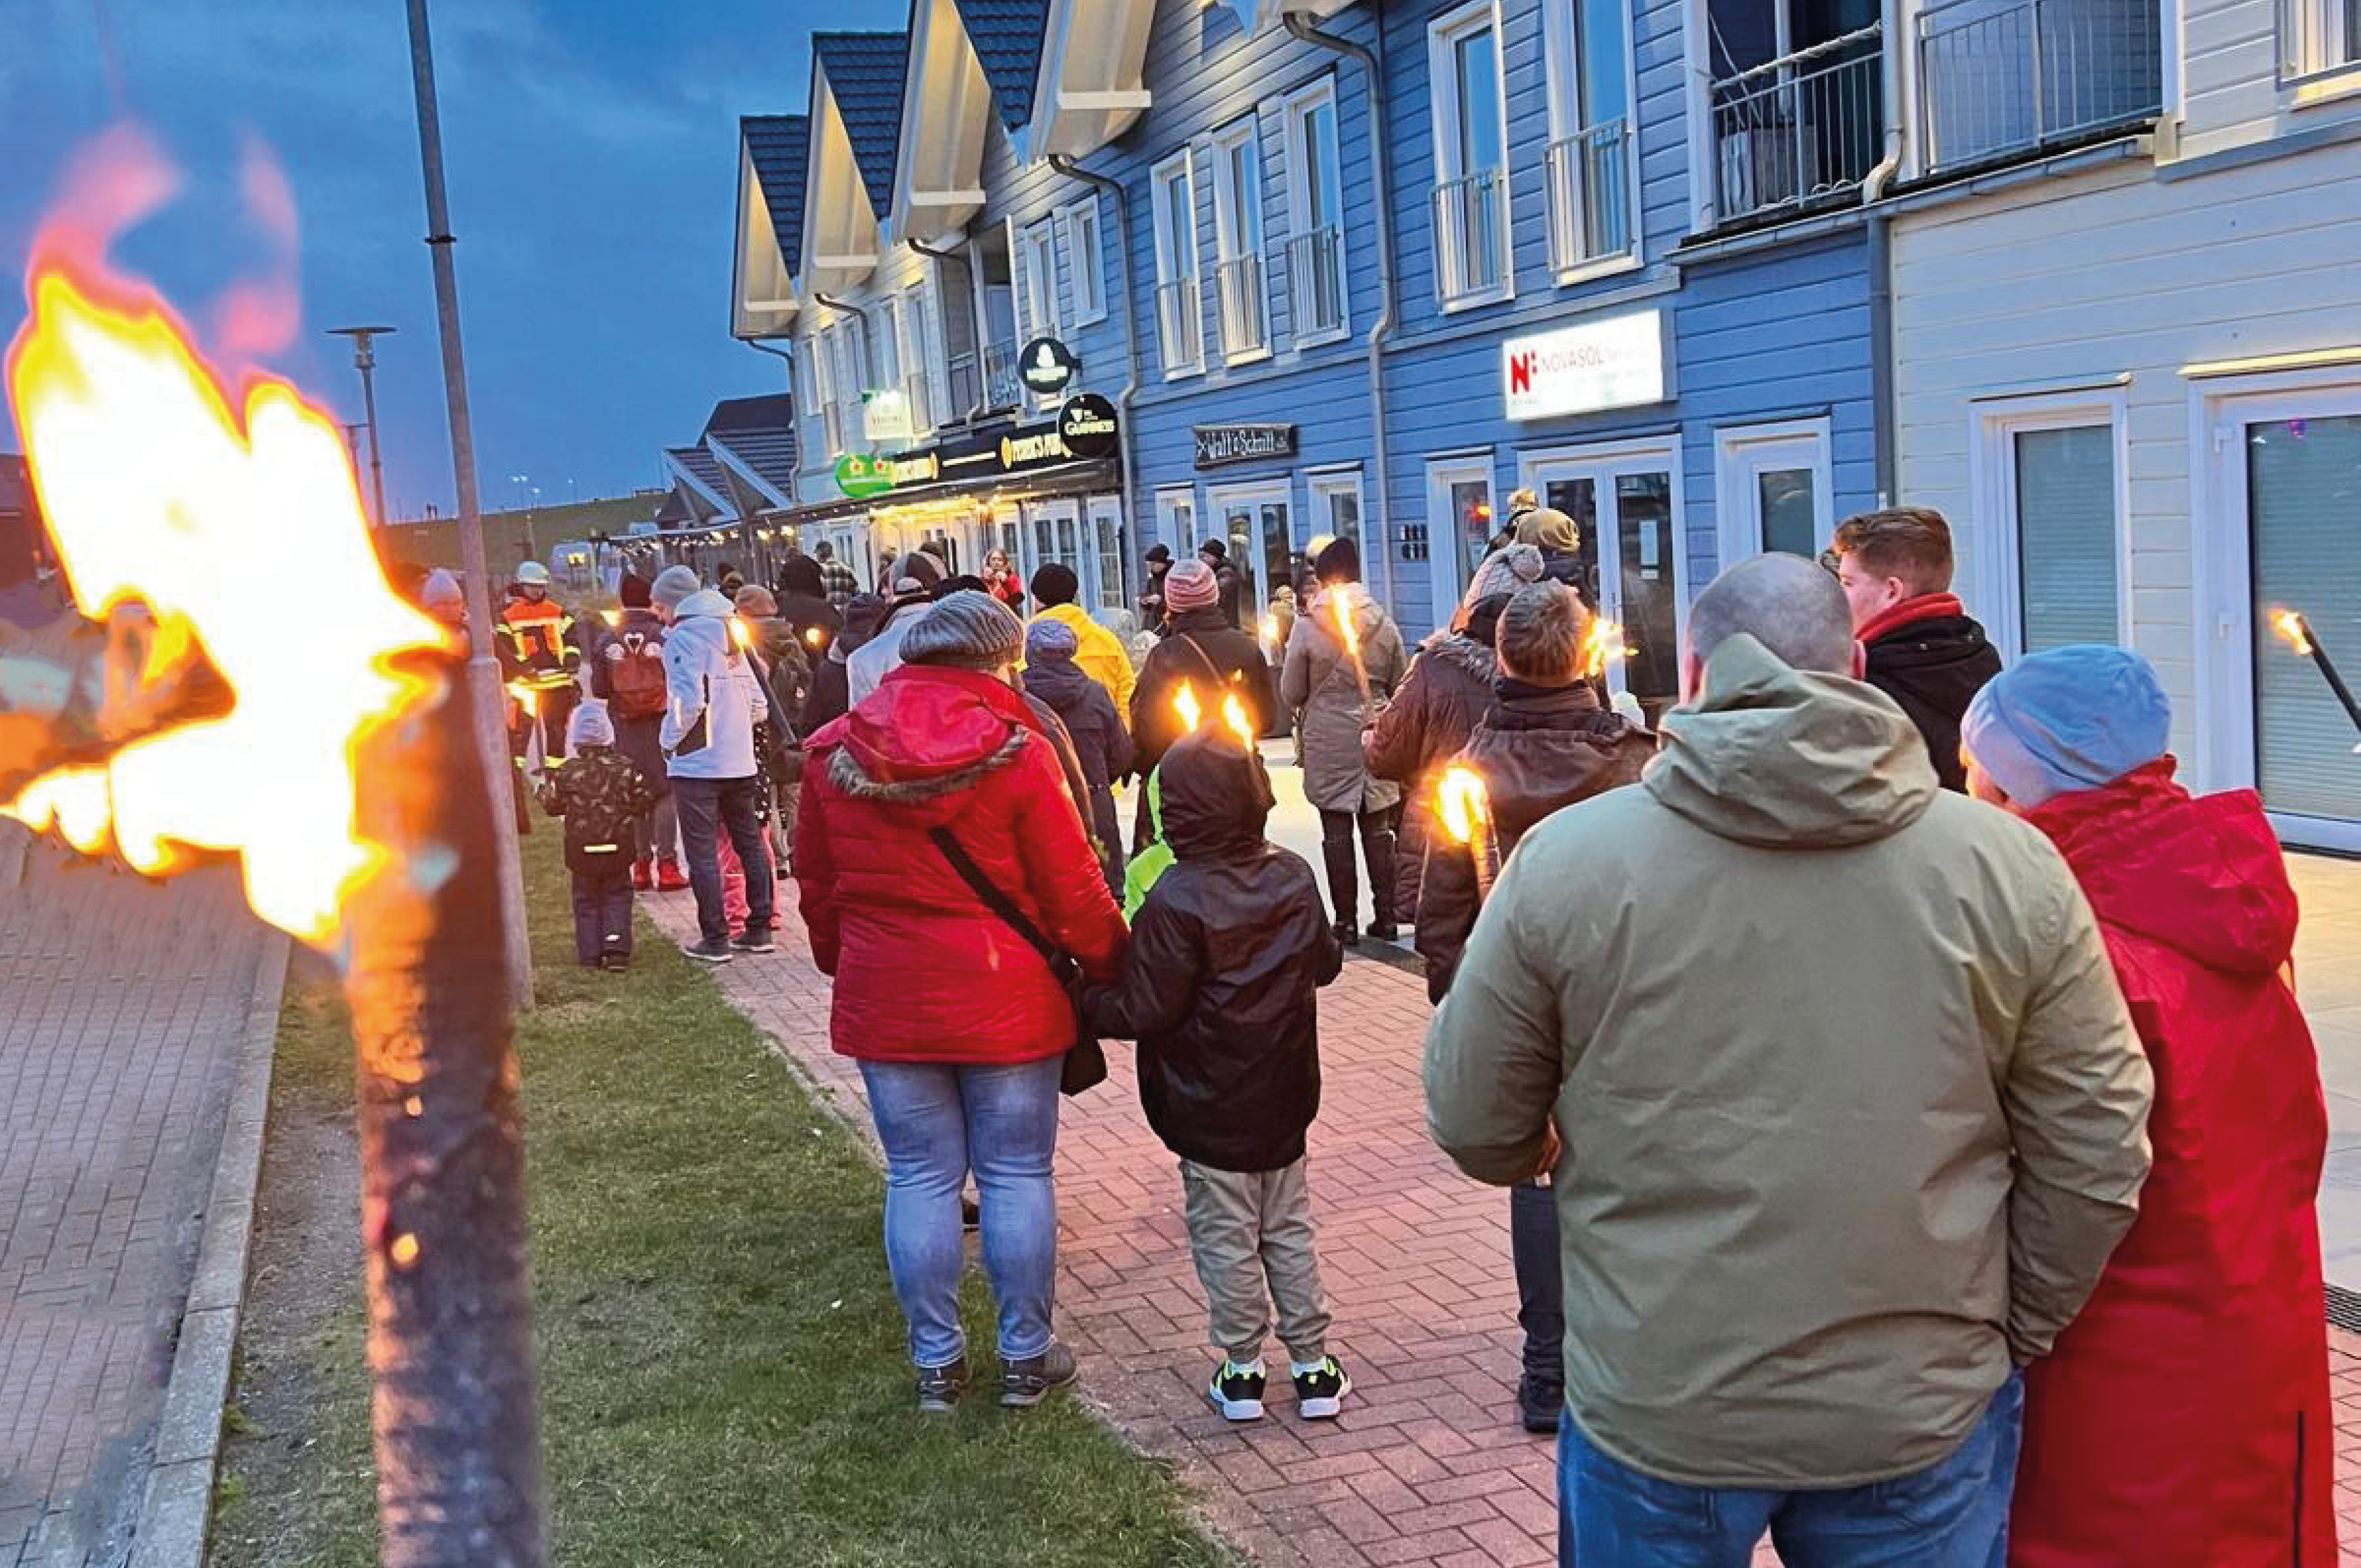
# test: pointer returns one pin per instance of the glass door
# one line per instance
(1624, 505)
(2304, 494)
(1256, 524)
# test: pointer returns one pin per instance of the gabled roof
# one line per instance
(1007, 38)
(702, 471)
(1089, 89)
(756, 437)
(780, 146)
(864, 74)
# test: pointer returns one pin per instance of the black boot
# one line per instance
(1377, 848)
(1344, 889)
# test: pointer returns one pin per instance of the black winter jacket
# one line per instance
(1220, 985)
(1538, 749)
(1200, 646)
(1934, 669)
(1101, 746)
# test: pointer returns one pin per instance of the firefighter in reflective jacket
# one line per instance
(540, 651)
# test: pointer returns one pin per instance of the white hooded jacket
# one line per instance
(713, 699)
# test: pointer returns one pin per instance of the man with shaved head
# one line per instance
(1837, 1097)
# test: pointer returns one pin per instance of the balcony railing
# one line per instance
(1242, 311)
(1315, 283)
(1801, 130)
(984, 382)
(1180, 324)
(2002, 76)
(1471, 235)
(1590, 195)
(1002, 389)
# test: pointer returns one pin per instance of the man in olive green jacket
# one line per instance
(1852, 1112)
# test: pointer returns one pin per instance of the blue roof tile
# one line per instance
(780, 146)
(760, 432)
(1007, 38)
(864, 73)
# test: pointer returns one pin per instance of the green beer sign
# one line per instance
(861, 477)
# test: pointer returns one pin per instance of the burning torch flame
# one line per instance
(1342, 607)
(1234, 714)
(1270, 629)
(179, 529)
(1602, 645)
(1462, 803)
(812, 635)
(1184, 703)
(613, 617)
(2289, 624)
(527, 698)
(740, 637)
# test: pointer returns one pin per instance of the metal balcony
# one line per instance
(1800, 131)
(1590, 195)
(1471, 235)
(1179, 325)
(1997, 77)
(1315, 283)
(1241, 309)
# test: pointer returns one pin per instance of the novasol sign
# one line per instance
(1611, 364)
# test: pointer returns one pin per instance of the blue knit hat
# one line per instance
(2068, 719)
(1049, 642)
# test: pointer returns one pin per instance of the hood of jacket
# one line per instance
(1204, 618)
(1538, 750)
(703, 635)
(1782, 758)
(1212, 797)
(1926, 645)
(1367, 616)
(925, 735)
(2205, 877)
(1059, 683)
(1463, 654)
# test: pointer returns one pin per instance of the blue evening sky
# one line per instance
(591, 152)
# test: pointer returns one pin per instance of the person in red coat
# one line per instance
(2183, 1420)
(957, 1021)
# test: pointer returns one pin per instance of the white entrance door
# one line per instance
(1626, 502)
(1102, 583)
(2286, 494)
(1054, 533)
(1255, 520)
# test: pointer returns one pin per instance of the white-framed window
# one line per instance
(1244, 312)
(811, 400)
(1773, 490)
(1180, 309)
(1335, 498)
(1459, 526)
(884, 413)
(2319, 37)
(1176, 520)
(1315, 216)
(849, 368)
(826, 378)
(1037, 282)
(1592, 162)
(1471, 159)
(916, 381)
(1104, 515)
(1085, 259)
(2050, 549)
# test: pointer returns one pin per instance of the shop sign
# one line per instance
(990, 454)
(1046, 365)
(1221, 443)
(861, 477)
(1087, 425)
(1611, 364)
(885, 416)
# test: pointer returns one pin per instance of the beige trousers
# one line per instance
(1251, 1235)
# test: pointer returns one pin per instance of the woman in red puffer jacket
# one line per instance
(956, 1020)
(2183, 1420)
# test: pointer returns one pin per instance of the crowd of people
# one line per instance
(1910, 1130)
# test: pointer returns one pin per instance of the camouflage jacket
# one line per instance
(602, 797)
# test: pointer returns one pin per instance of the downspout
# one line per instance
(1066, 166)
(1380, 145)
(1882, 411)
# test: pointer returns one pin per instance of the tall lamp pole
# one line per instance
(365, 361)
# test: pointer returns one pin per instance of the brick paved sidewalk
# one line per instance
(1425, 1466)
(122, 1006)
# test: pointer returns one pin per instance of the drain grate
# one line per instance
(2344, 1308)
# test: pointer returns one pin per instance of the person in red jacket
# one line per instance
(2183, 1420)
(957, 1021)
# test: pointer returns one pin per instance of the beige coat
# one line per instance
(1317, 683)
(1852, 1111)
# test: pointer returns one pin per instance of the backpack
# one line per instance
(635, 674)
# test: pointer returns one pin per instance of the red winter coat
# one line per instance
(2183, 1420)
(924, 972)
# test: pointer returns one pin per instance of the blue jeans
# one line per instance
(938, 1123)
(1953, 1514)
(707, 808)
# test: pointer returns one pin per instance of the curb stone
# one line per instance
(177, 1508)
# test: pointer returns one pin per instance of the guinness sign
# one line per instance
(1087, 425)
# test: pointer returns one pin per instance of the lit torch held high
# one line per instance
(1341, 605)
(2297, 631)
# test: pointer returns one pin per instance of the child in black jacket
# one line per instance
(1219, 987)
(602, 797)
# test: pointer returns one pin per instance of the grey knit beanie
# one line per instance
(1049, 642)
(673, 584)
(967, 631)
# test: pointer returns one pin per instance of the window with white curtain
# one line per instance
(1315, 215)
(1237, 241)
(1471, 190)
(1085, 260)
(1036, 262)
(911, 324)
(1179, 315)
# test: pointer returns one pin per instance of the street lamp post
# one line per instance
(365, 361)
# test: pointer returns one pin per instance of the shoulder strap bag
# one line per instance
(1085, 1064)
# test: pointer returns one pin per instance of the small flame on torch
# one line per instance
(527, 698)
(2289, 624)
(1185, 704)
(1602, 645)
(740, 637)
(1234, 714)
(1462, 801)
(812, 635)
(613, 617)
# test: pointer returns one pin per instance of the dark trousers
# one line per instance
(709, 807)
(1541, 1282)
(1376, 848)
(556, 706)
(602, 913)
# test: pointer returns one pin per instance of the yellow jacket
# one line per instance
(1099, 654)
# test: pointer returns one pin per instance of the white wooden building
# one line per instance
(2127, 354)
